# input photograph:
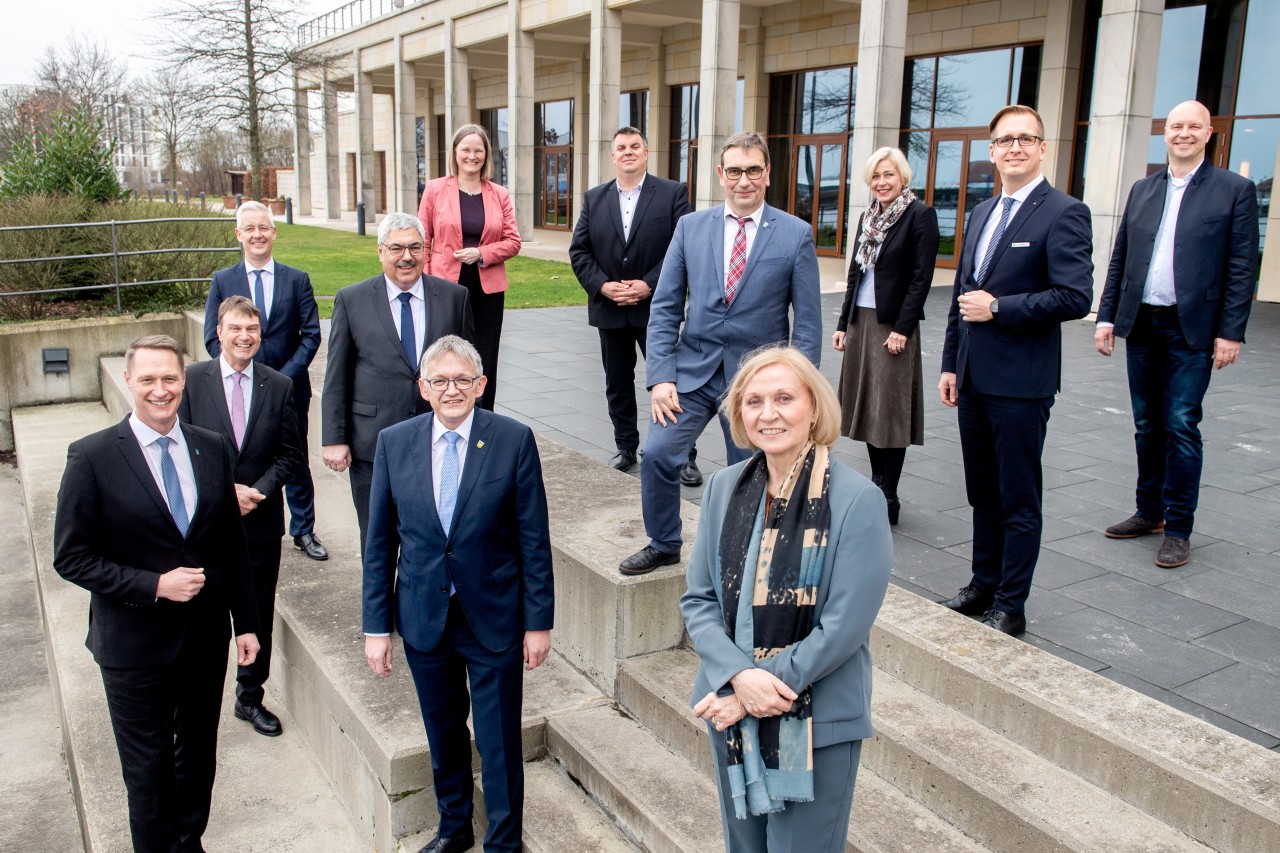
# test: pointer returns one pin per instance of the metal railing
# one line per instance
(115, 254)
(346, 17)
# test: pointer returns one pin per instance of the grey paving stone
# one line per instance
(1059, 504)
(1242, 693)
(932, 528)
(932, 494)
(1060, 651)
(910, 587)
(1231, 592)
(539, 385)
(536, 407)
(1044, 605)
(1251, 642)
(590, 429)
(1238, 560)
(1133, 558)
(1151, 606)
(913, 560)
(1257, 527)
(1195, 709)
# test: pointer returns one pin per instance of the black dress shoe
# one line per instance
(646, 560)
(456, 844)
(690, 475)
(1012, 624)
(623, 460)
(968, 601)
(308, 543)
(263, 721)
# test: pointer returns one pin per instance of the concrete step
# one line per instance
(656, 796)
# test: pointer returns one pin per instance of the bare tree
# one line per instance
(84, 72)
(177, 112)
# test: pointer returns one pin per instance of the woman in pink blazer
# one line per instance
(471, 231)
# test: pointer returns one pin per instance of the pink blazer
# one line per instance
(442, 221)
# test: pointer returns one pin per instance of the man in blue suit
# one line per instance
(733, 276)
(290, 339)
(458, 562)
(1179, 289)
(1026, 267)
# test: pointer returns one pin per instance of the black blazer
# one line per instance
(114, 536)
(369, 384)
(1215, 266)
(1042, 274)
(599, 253)
(291, 335)
(272, 450)
(904, 271)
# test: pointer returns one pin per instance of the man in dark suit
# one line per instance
(1025, 268)
(251, 405)
(617, 250)
(733, 277)
(290, 339)
(380, 329)
(147, 521)
(1179, 289)
(458, 562)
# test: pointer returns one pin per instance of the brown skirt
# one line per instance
(881, 395)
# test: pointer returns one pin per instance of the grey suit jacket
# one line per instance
(835, 657)
(369, 384)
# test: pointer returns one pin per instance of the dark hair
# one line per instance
(1014, 109)
(630, 131)
(239, 305)
(748, 139)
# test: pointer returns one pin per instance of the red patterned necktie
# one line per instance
(737, 259)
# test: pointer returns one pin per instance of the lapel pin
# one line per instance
(479, 444)
(764, 224)
(197, 450)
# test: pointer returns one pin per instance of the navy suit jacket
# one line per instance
(1042, 273)
(599, 253)
(497, 554)
(291, 335)
(781, 277)
(1215, 259)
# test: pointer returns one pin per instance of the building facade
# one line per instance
(828, 82)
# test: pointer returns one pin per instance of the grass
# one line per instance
(335, 259)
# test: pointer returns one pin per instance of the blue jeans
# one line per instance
(1167, 383)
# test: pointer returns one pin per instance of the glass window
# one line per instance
(1024, 81)
(971, 87)
(825, 100)
(917, 91)
(494, 122)
(684, 134)
(1259, 61)
(554, 123)
(1178, 71)
(739, 99)
(916, 147)
(633, 111)
(1253, 155)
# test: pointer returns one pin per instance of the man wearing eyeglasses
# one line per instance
(458, 562)
(733, 278)
(380, 329)
(1025, 268)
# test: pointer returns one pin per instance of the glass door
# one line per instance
(961, 175)
(819, 176)
(555, 189)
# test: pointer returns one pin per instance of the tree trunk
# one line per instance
(251, 101)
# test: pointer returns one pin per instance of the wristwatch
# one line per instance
(994, 307)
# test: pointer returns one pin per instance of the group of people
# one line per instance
(794, 550)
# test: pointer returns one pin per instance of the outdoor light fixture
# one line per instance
(56, 359)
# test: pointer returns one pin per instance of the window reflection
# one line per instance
(1181, 40)
(971, 87)
(1260, 61)
(1253, 155)
(633, 111)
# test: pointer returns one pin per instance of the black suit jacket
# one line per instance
(271, 451)
(599, 253)
(369, 384)
(114, 536)
(1215, 260)
(1042, 273)
(291, 335)
(904, 271)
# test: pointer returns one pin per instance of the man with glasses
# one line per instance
(732, 278)
(1026, 267)
(380, 329)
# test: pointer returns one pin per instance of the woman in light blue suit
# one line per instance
(788, 572)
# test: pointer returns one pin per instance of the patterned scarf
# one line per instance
(876, 223)
(770, 760)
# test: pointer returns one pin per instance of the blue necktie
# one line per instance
(449, 480)
(259, 296)
(172, 488)
(1007, 201)
(408, 340)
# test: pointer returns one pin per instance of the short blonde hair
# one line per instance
(826, 408)
(486, 172)
(894, 156)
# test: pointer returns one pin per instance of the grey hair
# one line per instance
(451, 344)
(254, 207)
(399, 222)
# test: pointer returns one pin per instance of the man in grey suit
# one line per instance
(733, 275)
(380, 329)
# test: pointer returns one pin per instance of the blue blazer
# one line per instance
(1042, 274)
(497, 554)
(835, 658)
(1215, 266)
(781, 277)
(291, 335)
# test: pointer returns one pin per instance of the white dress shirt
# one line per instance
(417, 307)
(731, 231)
(181, 460)
(866, 296)
(438, 445)
(989, 227)
(229, 384)
(627, 201)
(1159, 288)
(268, 286)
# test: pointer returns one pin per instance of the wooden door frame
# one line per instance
(818, 140)
(965, 136)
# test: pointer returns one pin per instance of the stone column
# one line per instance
(659, 126)
(605, 57)
(717, 83)
(457, 86)
(877, 115)
(520, 142)
(1120, 123)
(406, 141)
(583, 108)
(755, 82)
(1060, 86)
(332, 182)
(366, 168)
(301, 147)
(1269, 281)
(425, 107)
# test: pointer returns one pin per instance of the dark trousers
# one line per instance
(1001, 440)
(264, 562)
(165, 721)
(496, 678)
(300, 491)
(486, 310)
(618, 353)
(361, 475)
(1167, 383)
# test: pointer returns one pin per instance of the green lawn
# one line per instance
(335, 259)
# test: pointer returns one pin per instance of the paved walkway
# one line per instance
(1204, 638)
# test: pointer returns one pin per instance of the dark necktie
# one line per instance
(172, 487)
(408, 340)
(259, 296)
(737, 259)
(1007, 201)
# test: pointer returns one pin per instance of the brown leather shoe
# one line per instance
(1133, 527)
(1174, 551)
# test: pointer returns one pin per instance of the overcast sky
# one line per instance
(31, 26)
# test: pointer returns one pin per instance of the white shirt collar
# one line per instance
(1021, 195)
(438, 429)
(394, 291)
(269, 267)
(755, 216)
(617, 186)
(227, 369)
(1183, 180)
(146, 435)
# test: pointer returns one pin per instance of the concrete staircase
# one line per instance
(984, 742)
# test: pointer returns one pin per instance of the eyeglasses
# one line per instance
(1024, 141)
(397, 250)
(733, 173)
(255, 229)
(462, 383)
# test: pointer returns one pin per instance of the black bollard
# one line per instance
(360, 219)
(288, 210)
(202, 198)
(239, 200)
